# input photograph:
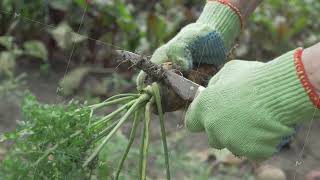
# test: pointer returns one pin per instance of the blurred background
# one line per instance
(61, 50)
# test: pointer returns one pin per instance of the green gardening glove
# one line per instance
(208, 40)
(250, 107)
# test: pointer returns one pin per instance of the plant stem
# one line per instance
(105, 131)
(141, 99)
(109, 117)
(131, 139)
(90, 118)
(146, 140)
(141, 146)
(121, 96)
(109, 103)
(156, 95)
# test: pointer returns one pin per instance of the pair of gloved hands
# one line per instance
(249, 107)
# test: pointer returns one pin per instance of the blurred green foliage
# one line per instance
(11, 51)
(279, 26)
(41, 127)
(136, 25)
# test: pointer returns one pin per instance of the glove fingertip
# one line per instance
(180, 55)
(192, 123)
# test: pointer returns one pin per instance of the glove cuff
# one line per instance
(306, 83)
(224, 17)
(286, 88)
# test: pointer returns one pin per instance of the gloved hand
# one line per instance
(250, 107)
(208, 40)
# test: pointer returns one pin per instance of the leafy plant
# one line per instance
(48, 143)
(55, 141)
(12, 51)
(65, 36)
(276, 27)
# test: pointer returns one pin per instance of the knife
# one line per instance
(185, 88)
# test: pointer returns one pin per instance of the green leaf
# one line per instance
(65, 36)
(7, 63)
(36, 49)
(6, 41)
(72, 80)
(3, 138)
(16, 50)
(11, 136)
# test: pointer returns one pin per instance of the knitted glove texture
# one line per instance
(250, 107)
(208, 40)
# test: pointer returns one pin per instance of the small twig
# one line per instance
(119, 64)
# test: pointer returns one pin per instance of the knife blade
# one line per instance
(185, 88)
